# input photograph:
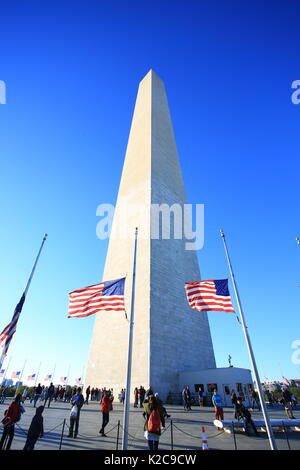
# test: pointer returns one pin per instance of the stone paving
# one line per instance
(186, 428)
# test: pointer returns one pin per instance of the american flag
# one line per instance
(63, 379)
(285, 381)
(107, 295)
(31, 377)
(2, 372)
(8, 332)
(78, 381)
(16, 375)
(209, 295)
(48, 377)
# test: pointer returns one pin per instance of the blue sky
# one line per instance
(72, 70)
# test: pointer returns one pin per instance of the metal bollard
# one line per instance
(234, 438)
(118, 434)
(286, 435)
(62, 433)
(172, 441)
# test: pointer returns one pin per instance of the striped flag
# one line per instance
(107, 295)
(48, 377)
(209, 295)
(63, 379)
(16, 375)
(8, 332)
(78, 381)
(2, 372)
(285, 381)
(31, 377)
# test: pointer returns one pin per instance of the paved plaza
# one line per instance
(186, 430)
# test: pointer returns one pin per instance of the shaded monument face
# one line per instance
(169, 337)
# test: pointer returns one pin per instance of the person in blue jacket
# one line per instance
(217, 402)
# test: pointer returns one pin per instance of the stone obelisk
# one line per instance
(169, 337)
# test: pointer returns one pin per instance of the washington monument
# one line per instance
(169, 337)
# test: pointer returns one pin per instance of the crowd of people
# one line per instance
(154, 412)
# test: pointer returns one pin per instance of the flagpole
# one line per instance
(38, 372)
(35, 263)
(250, 350)
(53, 373)
(6, 369)
(2, 357)
(20, 379)
(82, 377)
(129, 361)
(5, 349)
(68, 375)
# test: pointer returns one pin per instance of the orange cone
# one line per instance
(204, 440)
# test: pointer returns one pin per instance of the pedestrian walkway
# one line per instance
(183, 433)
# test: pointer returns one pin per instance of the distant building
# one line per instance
(7, 382)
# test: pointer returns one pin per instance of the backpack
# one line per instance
(154, 421)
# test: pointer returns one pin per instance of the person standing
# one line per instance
(200, 396)
(142, 393)
(57, 393)
(50, 395)
(154, 420)
(136, 397)
(87, 395)
(77, 403)
(12, 416)
(35, 430)
(286, 401)
(148, 393)
(106, 407)
(184, 398)
(270, 398)
(255, 399)
(188, 398)
(3, 394)
(217, 402)
(37, 394)
(234, 400)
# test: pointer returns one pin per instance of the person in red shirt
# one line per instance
(12, 415)
(106, 404)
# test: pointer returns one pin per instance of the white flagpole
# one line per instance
(2, 357)
(251, 354)
(82, 383)
(68, 375)
(4, 351)
(34, 266)
(20, 379)
(128, 381)
(38, 372)
(52, 377)
(6, 369)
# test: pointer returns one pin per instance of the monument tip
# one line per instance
(151, 73)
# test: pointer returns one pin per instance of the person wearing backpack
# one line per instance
(77, 403)
(11, 416)
(154, 420)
